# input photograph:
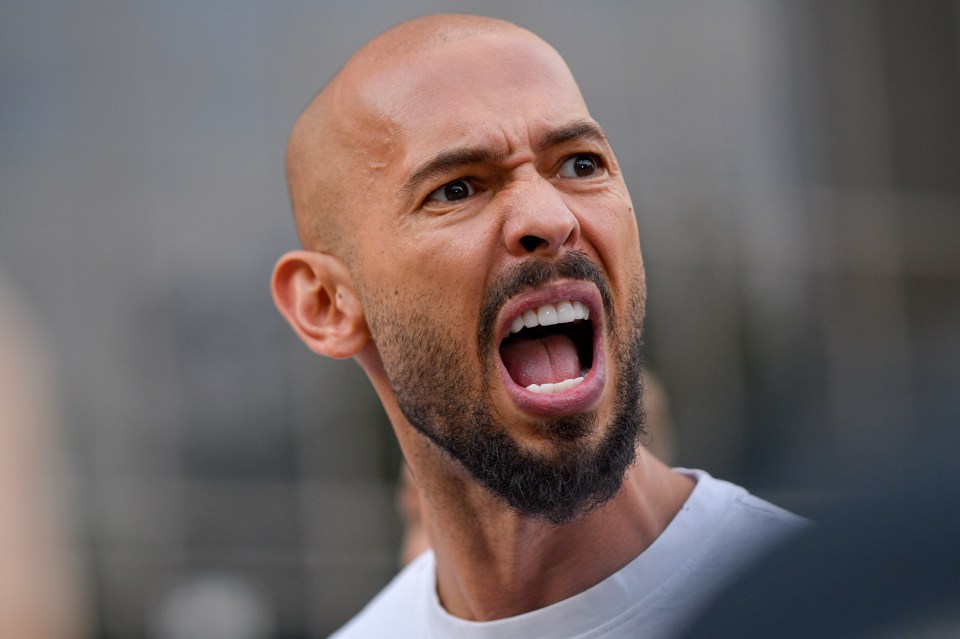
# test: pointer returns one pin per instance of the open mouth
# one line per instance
(550, 348)
(548, 356)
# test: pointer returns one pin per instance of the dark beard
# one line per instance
(428, 376)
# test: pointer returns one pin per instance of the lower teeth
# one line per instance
(559, 387)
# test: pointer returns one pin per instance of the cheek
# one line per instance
(453, 255)
(610, 225)
(433, 276)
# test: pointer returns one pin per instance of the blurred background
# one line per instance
(796, 171)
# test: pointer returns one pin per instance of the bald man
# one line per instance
(469, 240)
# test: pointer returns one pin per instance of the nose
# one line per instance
(538, 221)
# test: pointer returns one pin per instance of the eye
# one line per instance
(580, 166)
(452, 191)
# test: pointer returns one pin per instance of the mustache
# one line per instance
(533, 273)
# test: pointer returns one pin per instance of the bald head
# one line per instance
(449, 180)
(334, 152)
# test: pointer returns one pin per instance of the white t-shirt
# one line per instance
(720, 528)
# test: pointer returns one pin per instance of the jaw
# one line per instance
(566, 387)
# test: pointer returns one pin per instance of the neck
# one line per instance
(493, 563)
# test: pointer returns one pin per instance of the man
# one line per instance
(470, 242)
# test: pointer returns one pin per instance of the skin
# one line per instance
(659, 441)
(40, 589)
(356, 163)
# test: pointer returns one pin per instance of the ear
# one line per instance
(315, 293)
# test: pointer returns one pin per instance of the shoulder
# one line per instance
(743, 526)
(753, 513)
(393, 612)
(722, 498)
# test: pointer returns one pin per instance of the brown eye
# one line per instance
(456, 190)
(578, 166)
(452, 191)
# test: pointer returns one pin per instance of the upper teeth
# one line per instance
(549, 314)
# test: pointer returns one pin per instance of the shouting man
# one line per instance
(468, 238)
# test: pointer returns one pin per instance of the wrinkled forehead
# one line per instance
(507, 84)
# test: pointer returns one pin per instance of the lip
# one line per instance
(584, 395)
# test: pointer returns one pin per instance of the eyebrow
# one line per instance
(572, 132)
(449, 161)
(446, 162)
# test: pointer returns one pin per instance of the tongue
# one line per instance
(549, 359)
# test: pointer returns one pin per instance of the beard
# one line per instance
(429, 376)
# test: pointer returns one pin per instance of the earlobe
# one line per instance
(315, 293)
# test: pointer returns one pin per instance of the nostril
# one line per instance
(531, 243)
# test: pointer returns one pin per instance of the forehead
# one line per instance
(497, 89)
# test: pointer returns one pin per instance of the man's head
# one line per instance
(470, 240)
